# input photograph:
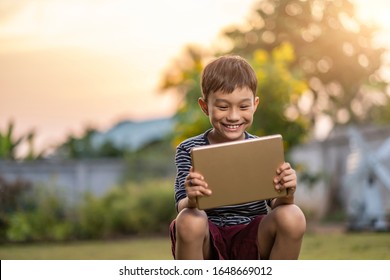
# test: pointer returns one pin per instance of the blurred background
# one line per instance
(95, 96)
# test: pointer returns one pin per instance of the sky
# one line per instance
(68, 64)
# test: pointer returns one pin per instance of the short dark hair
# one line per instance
(227, 73)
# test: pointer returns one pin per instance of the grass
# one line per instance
(342, 246)
(323, 246)
(156, 248)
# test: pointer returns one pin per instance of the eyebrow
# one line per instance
(225, 100)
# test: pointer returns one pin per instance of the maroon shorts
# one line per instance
(237, 242)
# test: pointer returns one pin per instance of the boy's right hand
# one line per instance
(195, 186)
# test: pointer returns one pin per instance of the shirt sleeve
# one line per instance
(183, 165)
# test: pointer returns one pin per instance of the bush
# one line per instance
(145, 208)
(43, 217)
(129, 209)
(153, 209)
(11, 194)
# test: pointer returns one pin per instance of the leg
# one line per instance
(281, 232)
(192, 235)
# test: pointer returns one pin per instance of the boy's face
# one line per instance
(230, 114)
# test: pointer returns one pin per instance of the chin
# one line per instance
(233, 136)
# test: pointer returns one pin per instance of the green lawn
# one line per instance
(351, 246)
(329, 246)
(156, 248)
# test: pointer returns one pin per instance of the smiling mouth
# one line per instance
(232, 126)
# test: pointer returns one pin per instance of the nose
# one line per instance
(233, 115)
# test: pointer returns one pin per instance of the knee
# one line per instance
(291, 220)
(191, 224)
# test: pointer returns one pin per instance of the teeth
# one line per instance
(233, 126)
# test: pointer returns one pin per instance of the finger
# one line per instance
(196, 182)
(285, 175)
(282, 186)
(196, 178)
(195, 175)
(282, 167)
(288, 187)
(198, 191)
(285, 172)
(291, 184)
(283, 178)
(192, 183)
(288, 178)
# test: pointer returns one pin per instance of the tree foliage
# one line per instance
(82, 147)
(184, 77)
(279, 90)
(335, 51)
(10, 143)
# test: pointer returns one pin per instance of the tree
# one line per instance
(82, 147)
(9, 144)
(184, 78)
(279, 90)
(334, 50)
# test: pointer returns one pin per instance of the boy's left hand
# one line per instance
(286, 178)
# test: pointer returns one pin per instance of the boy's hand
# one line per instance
(195, 186)
(286, 178)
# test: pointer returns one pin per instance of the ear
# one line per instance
(203, 105)
(257, 101)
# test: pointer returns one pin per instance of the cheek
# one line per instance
(216, 114)
(248, 114)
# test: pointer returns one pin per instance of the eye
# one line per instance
(223, 108)
(244, 107)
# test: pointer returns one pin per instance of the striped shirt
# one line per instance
(221, 216)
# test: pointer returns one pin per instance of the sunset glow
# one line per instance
(65, 64)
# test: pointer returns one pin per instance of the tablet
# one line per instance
(239, 171)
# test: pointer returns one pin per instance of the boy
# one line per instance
(244, 231)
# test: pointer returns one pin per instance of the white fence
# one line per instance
(71, 177)
(327, 159)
